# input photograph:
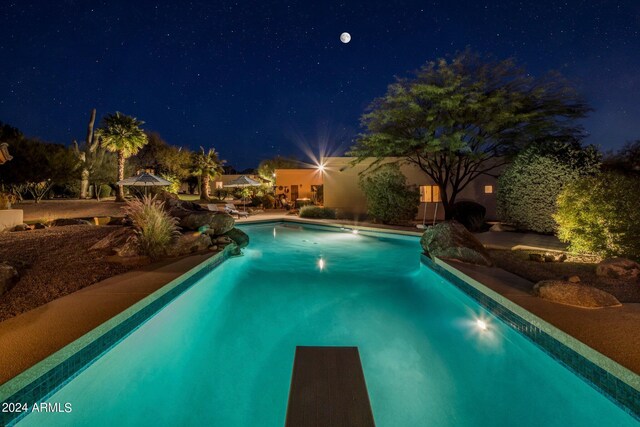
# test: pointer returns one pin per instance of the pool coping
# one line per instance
(46, 377)
(617, 383)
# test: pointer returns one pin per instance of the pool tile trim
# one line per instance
(613, 380)
(46, 377)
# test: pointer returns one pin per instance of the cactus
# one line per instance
(88, 155)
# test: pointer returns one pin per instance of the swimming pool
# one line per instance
(222, 352)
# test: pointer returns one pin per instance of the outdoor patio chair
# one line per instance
(231, 209)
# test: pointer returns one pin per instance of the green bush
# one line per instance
(317, 212)
(529, 187)
(601, 215)
(175, 181)
(105, 191)
(470, 214)
(155, 229)
(389, 200)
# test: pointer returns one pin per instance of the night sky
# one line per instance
(260, 78)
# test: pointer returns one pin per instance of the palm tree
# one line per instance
(122, 135)
(206, 165)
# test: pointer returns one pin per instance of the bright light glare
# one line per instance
(481, 324)
(274, 232)
(354, 231)
(321, 264)
(321, 167)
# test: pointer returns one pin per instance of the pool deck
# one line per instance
(30, 337)
(612, 331)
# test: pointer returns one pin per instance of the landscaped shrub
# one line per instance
(601, 215)
(470, 214)
(317, 212)
(529, 187)
(176, 183)
(155, 229)
(389, 200)
(104, 191)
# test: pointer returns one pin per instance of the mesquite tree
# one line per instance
(461, 118)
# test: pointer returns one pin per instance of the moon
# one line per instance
(345, 38)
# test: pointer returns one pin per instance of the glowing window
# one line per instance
(429, 193)
(219, 185)
(488, 189)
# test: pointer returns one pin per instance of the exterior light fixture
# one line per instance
(481, 324)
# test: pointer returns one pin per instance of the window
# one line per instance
(488, 189)
(429, 193)
(219, 185)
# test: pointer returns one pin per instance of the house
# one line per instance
(220, 182)
(337, 182)
(297, 184)
(4, 153)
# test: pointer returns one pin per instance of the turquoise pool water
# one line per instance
(222, 353)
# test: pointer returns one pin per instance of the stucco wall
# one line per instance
(9, 218)
(303, 178)
(341, 190)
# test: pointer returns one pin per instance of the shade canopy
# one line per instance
(243, 181)
(144, 180)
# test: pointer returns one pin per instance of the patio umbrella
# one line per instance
(145, 180)
(243, 181)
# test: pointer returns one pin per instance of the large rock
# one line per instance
(61, 222)
(117, 238)
(190, 243)
(217, 222)
(619, 268)
(574, 294)
(193, 216)
(450, 239)
(8, 277)
(238, 236)
(21, 227)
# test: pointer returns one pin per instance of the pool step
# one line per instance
(328, 389)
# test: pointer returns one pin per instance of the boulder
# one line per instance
(8, 277)
(39, 226)
(554, 257)
(223, 240)
(129, 248)
(574, 294)
(189, 243)
(238, 236)
(215, 223)
(115, 239)
(536, 257)
(619, 268)
(193, 216)
(501, 227)
(62, 222)
(450, 239)
(21, 227)
(574, 279)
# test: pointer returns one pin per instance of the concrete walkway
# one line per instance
(613, 331)
(30, 337)
(514, 240)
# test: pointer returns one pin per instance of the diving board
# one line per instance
(328, 389)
